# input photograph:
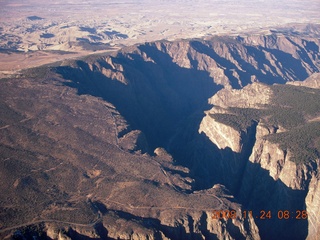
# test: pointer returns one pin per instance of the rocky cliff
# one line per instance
(149, 141)
(273, 177)
(188, 73)
(72, 167)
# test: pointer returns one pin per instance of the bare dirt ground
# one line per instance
(15, 61)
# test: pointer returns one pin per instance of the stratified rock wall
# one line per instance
(313, 206)
(270, 179)
(78, 142)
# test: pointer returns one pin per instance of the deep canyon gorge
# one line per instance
(147, 142)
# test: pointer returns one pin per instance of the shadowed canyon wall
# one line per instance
(163, 89)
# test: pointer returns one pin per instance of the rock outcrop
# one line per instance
(155, 75)
(271, 181)
(313, 206)
(223, 136)
(124, 145)
(73, 163)
(312, 82)
(254, 96)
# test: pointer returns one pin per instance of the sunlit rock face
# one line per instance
(146, 142)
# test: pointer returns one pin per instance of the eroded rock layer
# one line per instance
(147, 142)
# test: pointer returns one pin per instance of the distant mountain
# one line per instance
(150, 141)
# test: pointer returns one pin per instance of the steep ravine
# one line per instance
(260, 188)
(161, 83)
(271, 179)
(71, 167)
(163, 89)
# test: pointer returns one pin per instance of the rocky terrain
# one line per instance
(148, 142)
(284, 156)
(73, 25)
(34, 32)
(72, 166)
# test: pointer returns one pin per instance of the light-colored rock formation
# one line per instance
(313, 206)
(312, 82)
(223, 136)
(277, 161)
(252, 96)
(270, 174)
(76, 133)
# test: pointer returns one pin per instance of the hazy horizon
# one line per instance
(81, 27)
(294, 10)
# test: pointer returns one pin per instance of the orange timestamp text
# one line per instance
(263, 214)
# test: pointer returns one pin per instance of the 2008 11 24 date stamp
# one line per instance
(263, 214)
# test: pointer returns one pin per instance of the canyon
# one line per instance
(147, 142)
